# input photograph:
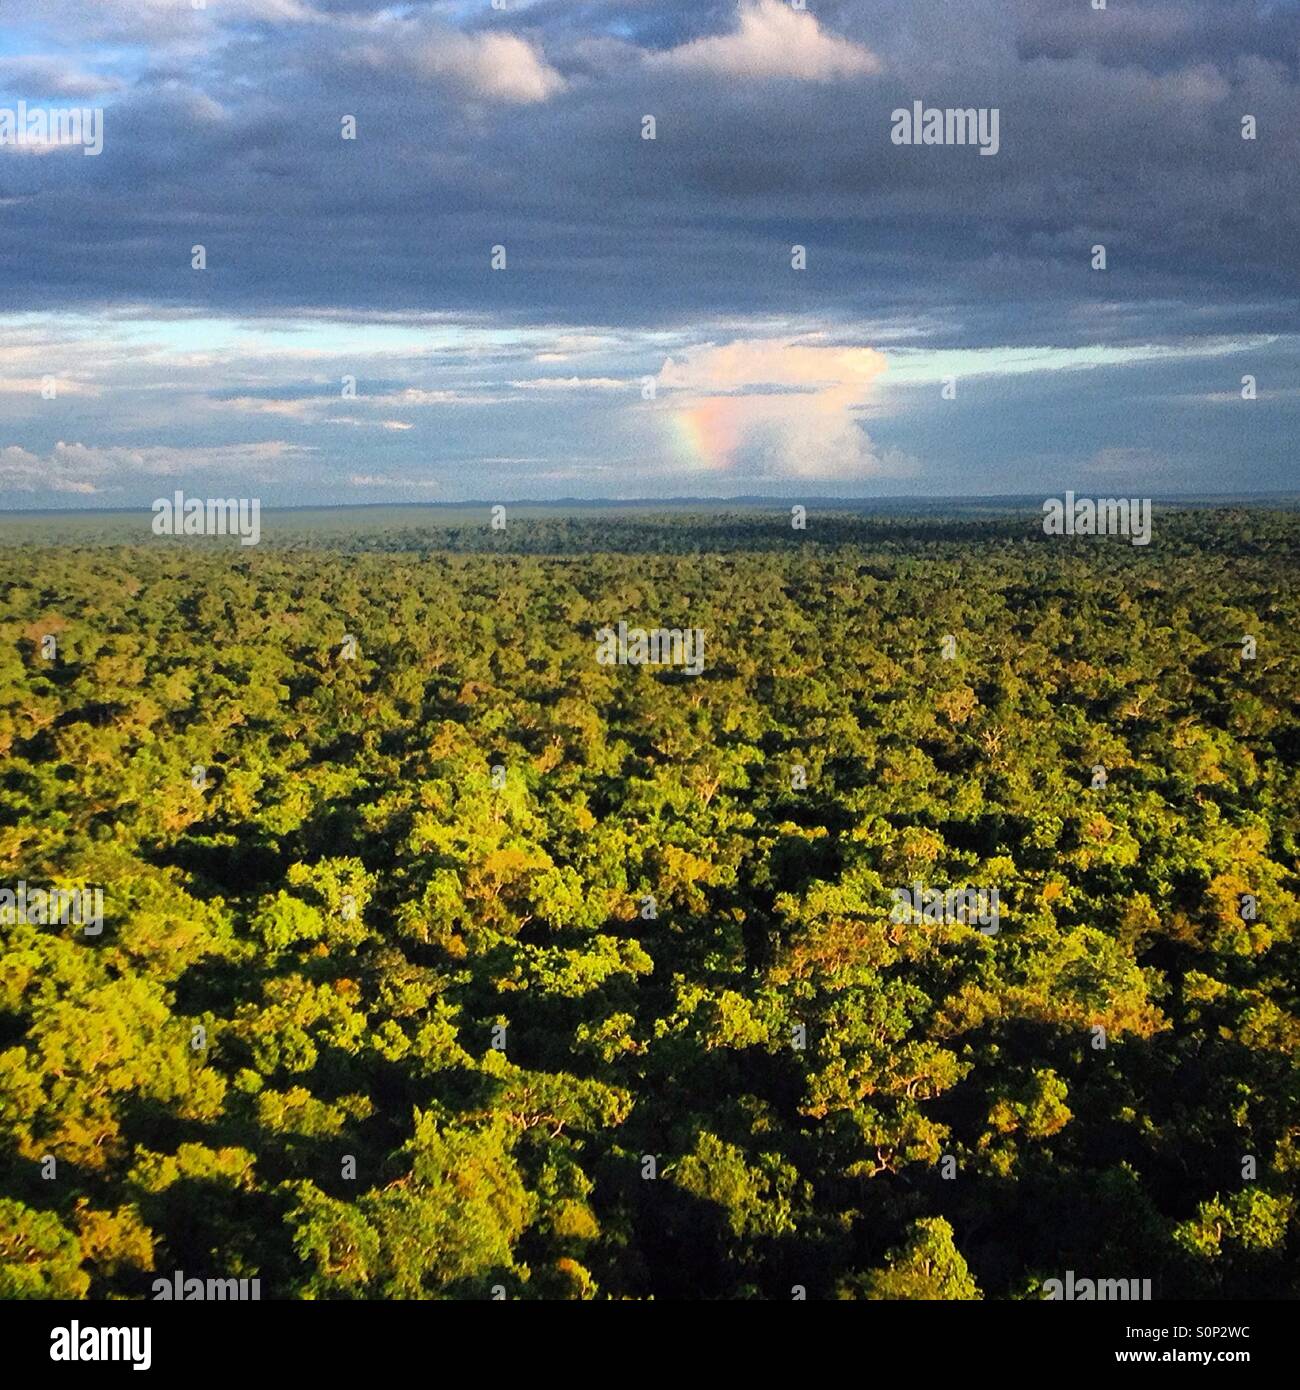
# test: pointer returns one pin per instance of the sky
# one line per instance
(653, 332)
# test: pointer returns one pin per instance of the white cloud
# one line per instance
(566, 346)
(93, 468)
(370, 424)
(570, 383)
(295, 409)
(778, 409)
(489, 67)
(418, 395)
(774, 40)
(389, 480)
(922, 366)
(773, 362)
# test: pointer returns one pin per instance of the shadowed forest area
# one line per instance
(439, 959)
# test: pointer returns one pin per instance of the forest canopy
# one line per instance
(440, 960)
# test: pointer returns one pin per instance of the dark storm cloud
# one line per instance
(1162, 34)
(632, 260)
(1120, 127)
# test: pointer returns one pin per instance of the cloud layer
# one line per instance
(524, 129)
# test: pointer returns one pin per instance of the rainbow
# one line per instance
(705, 436)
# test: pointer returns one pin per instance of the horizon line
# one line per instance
(767, 499)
